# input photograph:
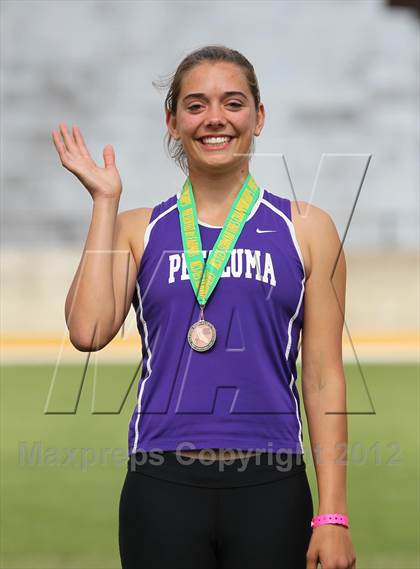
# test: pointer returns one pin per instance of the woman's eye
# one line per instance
(235, 104)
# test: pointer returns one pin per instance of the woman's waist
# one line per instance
(212, 471)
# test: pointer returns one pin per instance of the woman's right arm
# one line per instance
(100, 295)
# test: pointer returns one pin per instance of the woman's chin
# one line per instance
(216, 158)
(216, 163)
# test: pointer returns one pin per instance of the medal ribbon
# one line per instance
(204, 279)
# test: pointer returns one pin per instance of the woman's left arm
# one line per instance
(324, 387)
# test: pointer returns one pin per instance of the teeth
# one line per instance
(216, 140)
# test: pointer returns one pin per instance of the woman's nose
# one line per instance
(215, 121)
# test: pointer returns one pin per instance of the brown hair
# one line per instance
(213, 53)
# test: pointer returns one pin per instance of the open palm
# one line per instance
(75, 157)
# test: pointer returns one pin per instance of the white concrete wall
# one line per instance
(382, 305)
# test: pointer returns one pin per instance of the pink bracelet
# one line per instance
(340, 519)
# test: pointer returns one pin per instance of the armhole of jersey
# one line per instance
(157, 213)
(153, 218)
(152, 221)
(288, 208)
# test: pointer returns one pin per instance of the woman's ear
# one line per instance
(260, 120)
(171, 124)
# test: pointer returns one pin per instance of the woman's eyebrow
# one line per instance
(203, 96)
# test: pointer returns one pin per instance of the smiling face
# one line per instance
(215, 117)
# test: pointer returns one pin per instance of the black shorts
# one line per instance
(245, 513)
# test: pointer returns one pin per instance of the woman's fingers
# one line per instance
(80, 141)
(68, 139)
(61, 149)
(71, 147)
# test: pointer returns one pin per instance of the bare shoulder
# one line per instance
(133, 222)
(316, 233)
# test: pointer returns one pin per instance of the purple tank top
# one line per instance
(242, 393)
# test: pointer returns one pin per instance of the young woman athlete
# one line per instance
(224, 277)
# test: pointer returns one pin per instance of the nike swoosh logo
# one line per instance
(266, 230)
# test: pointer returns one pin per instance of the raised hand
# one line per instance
(74, 155)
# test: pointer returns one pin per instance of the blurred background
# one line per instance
(340, 83)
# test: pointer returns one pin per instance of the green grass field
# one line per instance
(58, 514)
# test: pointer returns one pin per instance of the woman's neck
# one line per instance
(215, 193)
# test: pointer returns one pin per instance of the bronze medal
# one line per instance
(202, 335)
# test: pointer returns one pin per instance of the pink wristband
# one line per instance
(340, 519)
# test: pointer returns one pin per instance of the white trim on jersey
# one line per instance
(296, 244)
(291, 384)
(149, 369)
(289, 328)
(152, 224)
(291, 229)
(208, 224)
